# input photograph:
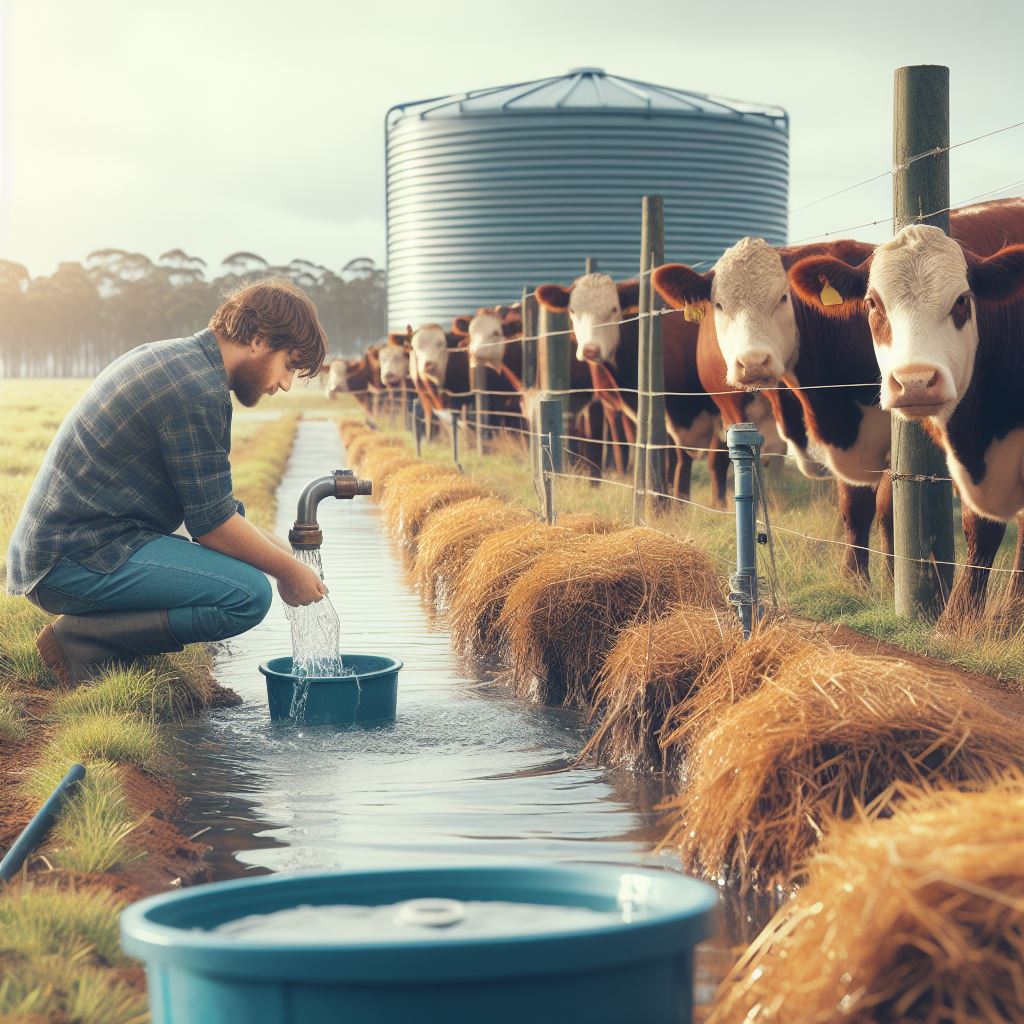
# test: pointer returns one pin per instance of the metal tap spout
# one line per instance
(342, 483)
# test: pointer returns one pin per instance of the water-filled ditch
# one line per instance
(465, 772)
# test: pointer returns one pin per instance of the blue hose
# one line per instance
(32, 834)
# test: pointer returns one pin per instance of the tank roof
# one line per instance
(584, 89)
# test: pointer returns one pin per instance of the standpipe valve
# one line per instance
(306, 534)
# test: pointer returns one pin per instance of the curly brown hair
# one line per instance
(279, 312)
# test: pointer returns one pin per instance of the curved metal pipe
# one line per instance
(32, 834)
(342, 483)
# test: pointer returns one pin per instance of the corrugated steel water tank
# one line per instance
(497, 188)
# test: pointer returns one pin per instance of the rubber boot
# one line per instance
(75, 647)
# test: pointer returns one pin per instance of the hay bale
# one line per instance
(358, 450)
(746, 666)
(654, 666)
(829, 731)
(563, 614)
(916, 917)
(389, 489)
(408, 507)
(449, 540)
(475, 605)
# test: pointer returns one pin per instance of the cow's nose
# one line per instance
(754, 362)
(591, 351)
(916, 385)
(429, 367)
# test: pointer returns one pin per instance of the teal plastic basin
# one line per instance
(631, 970)
(371, 695)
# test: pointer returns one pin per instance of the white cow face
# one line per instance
(923, 323)
(394, 365)
(753, 312)
(337, 377)
(594, 311)
(486, 340)
(430, 354)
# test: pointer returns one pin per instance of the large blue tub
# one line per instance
(635, 969)
(370, 695)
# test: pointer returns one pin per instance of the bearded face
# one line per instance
(252, 379)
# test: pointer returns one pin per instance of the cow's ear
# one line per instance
(1000, 278)
(680, 286)
(830, 285)
(629, 296)
(460, 326)
(373, 355)
(395, 338)
(554, 297)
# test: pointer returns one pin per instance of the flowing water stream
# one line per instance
(465, 772)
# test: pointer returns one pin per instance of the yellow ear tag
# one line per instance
(830, 297)
(694, 314)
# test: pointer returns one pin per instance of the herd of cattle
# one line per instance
(816, 344)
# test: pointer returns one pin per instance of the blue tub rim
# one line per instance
(277, 674)
(660, 933)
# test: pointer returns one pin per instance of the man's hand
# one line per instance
(301, 585)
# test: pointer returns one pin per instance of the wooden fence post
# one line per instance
(550, 451)
(649, 464)
(922, 505)
(590, 265)
(531, 324)
(556, 358)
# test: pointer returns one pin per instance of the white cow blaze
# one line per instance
(753, 312)
(487, 340)
(926, 361)
(594, 311)
(429, 355)
(394, 365)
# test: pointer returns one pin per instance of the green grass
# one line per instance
(154, 694)
(123, 739)
(94, 821)
(260, 455)
(12, 725)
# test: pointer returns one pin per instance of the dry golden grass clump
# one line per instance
(563, 614)
(653, 666)
(351, 429)
(915, 917)
(476, 604)
(409, 476)
(830, 731)
(747, 665)
(379, 466)
(407, 508)
(370, 442)
(586, 522)
(449, 540)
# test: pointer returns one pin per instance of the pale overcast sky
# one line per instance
(216, 125)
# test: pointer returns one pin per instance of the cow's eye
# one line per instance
(784, 299)
(870, 303)
(962, 301)
(718, 306)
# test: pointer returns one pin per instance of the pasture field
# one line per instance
(810, 583)
(59, 954)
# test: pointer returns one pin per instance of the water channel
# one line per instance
(465, 772)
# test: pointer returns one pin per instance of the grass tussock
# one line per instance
(652, 668)
(831, 731)
(12, 724)
(389, 489)
(54, 991)
(95, 821)
(563, 614)
(123, 739)
(154, 694)
(380, 466)
(447, 542)
(475, 606)
(407, 509)
(737, 676)
(19, 659)
(585, 522)
(350, 429)
(921, 914)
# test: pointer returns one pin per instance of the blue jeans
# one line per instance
(208, 596)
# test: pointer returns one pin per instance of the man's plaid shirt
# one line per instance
(145, 448)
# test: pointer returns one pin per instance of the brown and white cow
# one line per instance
(603, 315)
(335, 375)
(439, 368)
(493, 337)
(947, 325)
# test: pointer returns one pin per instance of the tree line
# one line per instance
(73, 322)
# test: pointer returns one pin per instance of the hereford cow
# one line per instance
(947, 325)
(439, 368)
(603, 314)
(335, 376)
(493, 337)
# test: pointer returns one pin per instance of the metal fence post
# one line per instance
(649, 464)
(419, 424)
(456, 424)
(550, 452)
(744, 449)
(922, 505)
(478, 382)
